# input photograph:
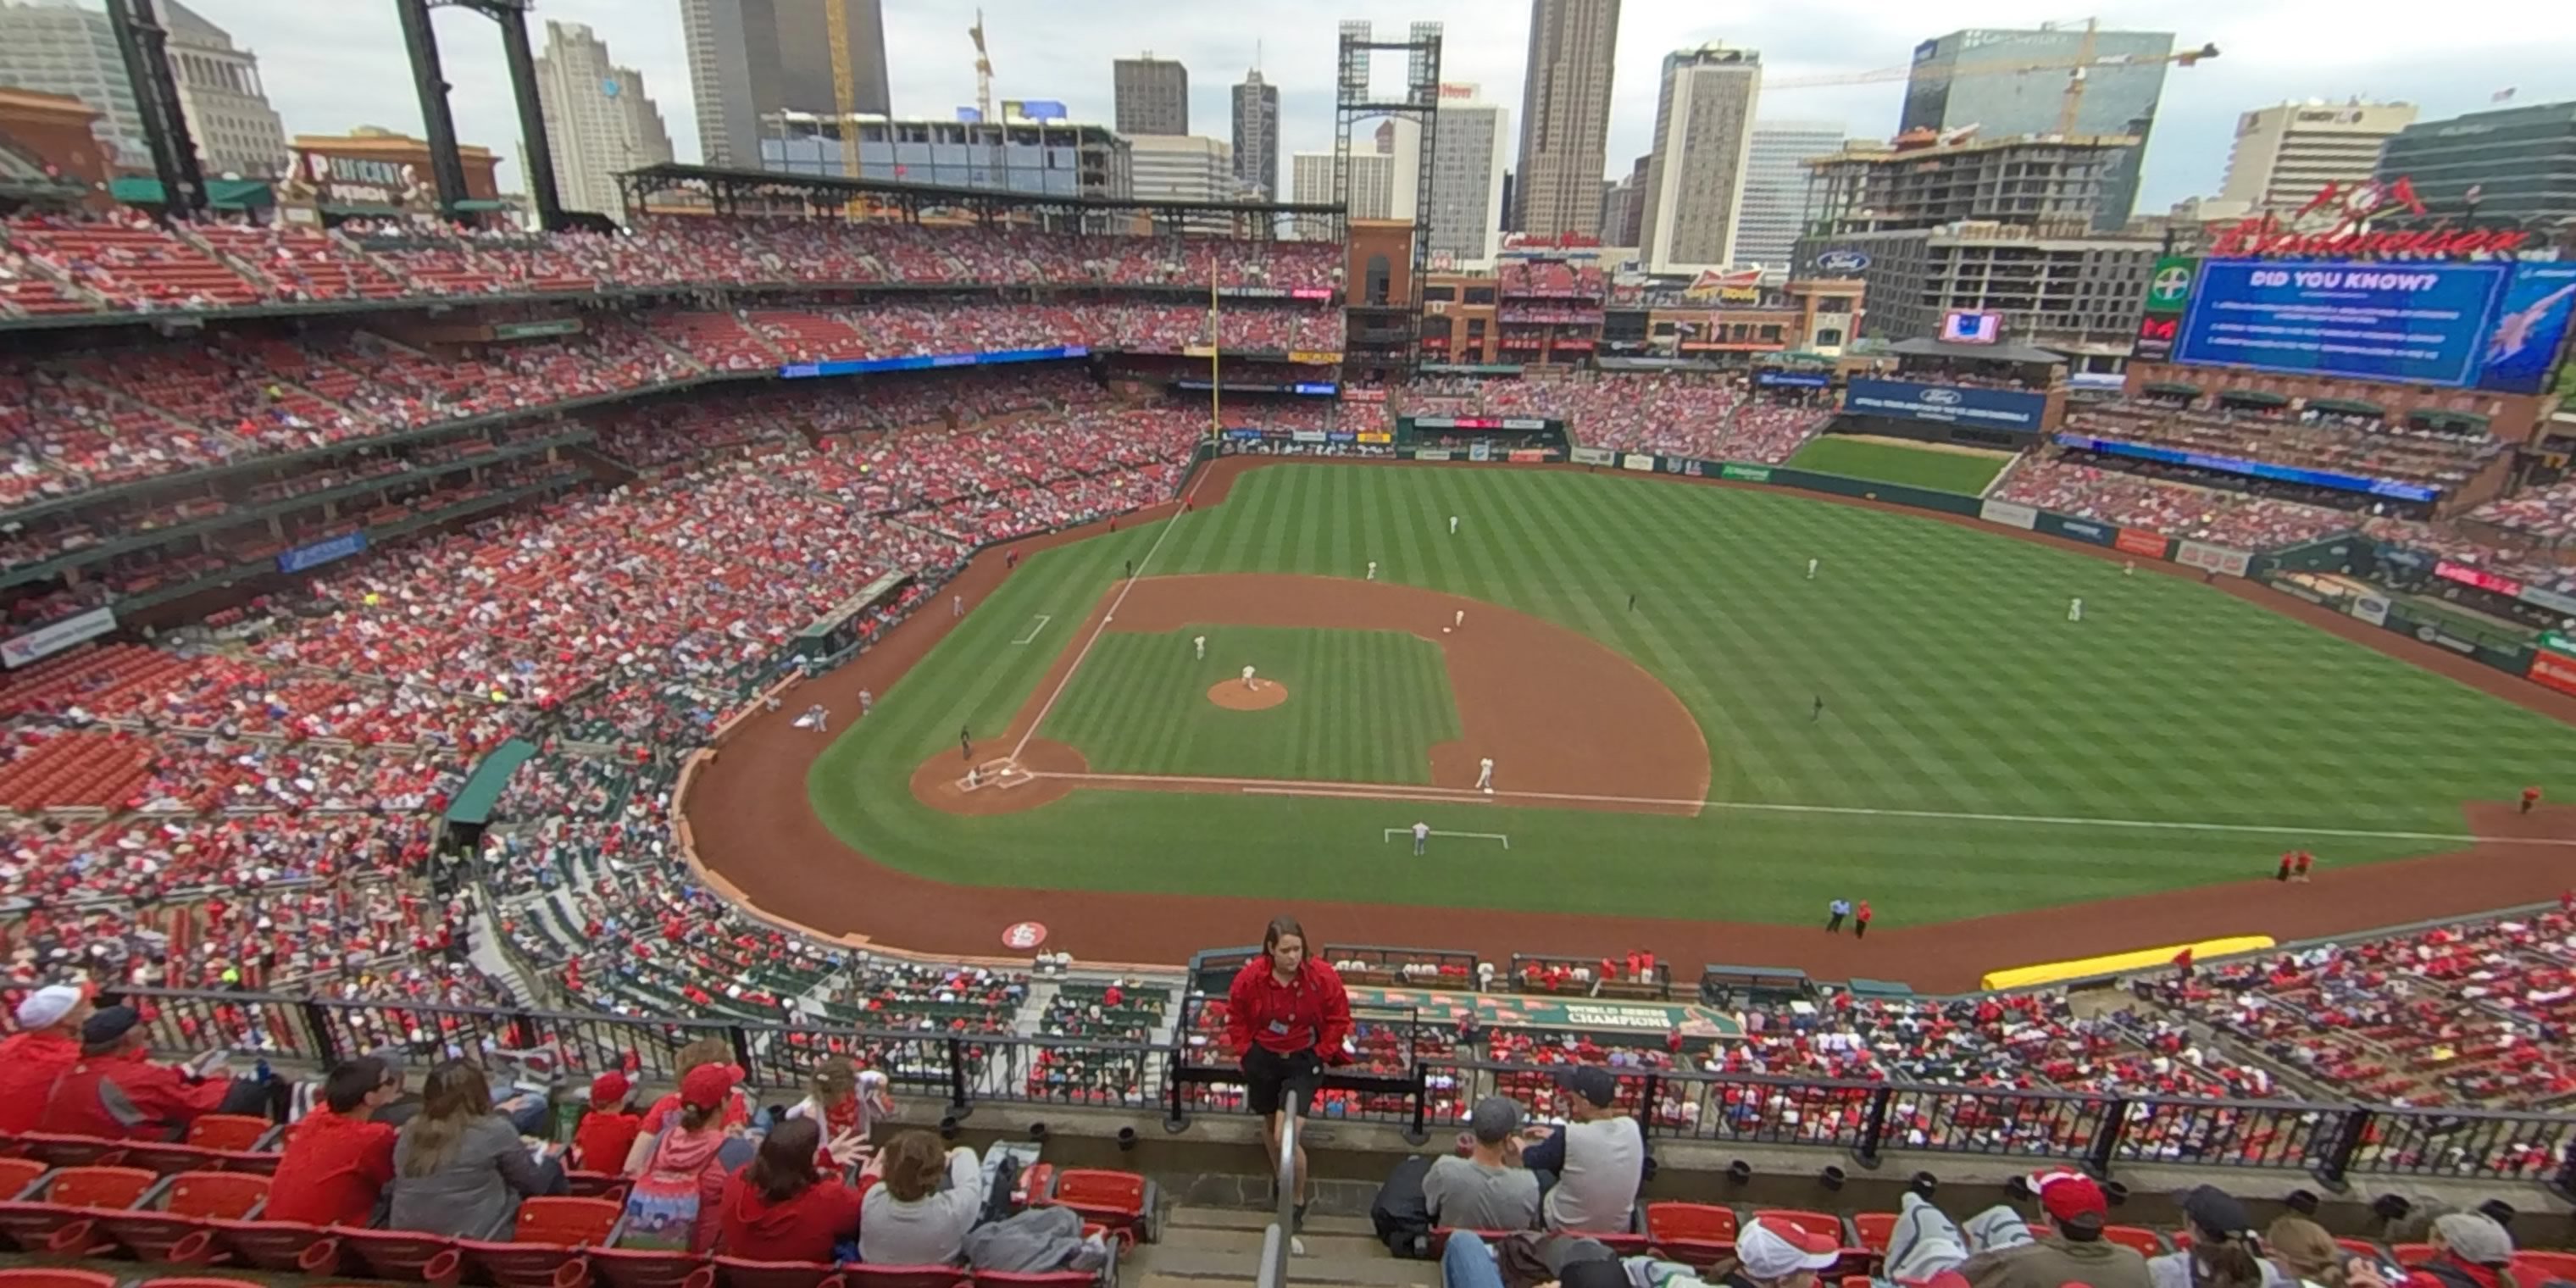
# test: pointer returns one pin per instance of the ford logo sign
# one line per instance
(1942, 397)
(1842, 261)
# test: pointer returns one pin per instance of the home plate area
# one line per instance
(1005, 772)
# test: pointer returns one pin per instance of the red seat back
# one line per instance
(227, 1131)
(738, 1272)
(867, 1276)
(1699, 1222)
(1874, 1229)
(651, 1268)
(72, 1151)
(1101, 1190)
(2146, 1242)
(99, 1187)
(2411, 1255)
(226, 1195)
(566, 1222)
(182, 1281)
(41, 1278)
(2533, 1268)
(17, 1174)
(1046, 1279)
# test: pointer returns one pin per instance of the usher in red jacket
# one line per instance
(1308, 1011)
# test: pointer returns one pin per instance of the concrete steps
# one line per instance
(1203, 1247)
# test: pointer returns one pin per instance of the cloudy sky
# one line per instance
(333, 64)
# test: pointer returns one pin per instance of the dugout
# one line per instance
(1732, 986)
(838, 629)
(1483, 438)
(1533, 972)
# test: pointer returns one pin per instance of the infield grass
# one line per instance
(1953, 684)
(1886, 462)
(1363, 706)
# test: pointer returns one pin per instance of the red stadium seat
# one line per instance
(1121, 1201)
(284, 1247)
(547, 1247)
(597, 1185)
(1697, 1234)
(2146, 1242)
(1871, 1230)
(651, 1268)
(180, 1229)
(2411, 1255)
(860, 1275)
(182, 1281)
(406, 1255)
(33, 1277)
(16, 1174)
(2534, 1268)
(170, 1160)
(60, 1217)
(736, 1272)
(58, 1150)
(229, 1132)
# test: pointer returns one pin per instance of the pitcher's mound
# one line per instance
(1231, 695)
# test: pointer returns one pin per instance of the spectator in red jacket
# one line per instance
(1287, 1016)
(781, 1207)
(607, 1132)
(47, 1043)
(338, 1160)
(116, 1092)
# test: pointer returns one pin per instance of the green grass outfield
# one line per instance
(1364, 706)
(1964, 472)
(1954, 684)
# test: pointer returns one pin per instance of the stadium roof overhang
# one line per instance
(726, 188)
(1974, 352)
(2347, 406)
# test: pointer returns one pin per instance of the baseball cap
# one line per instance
(2474, 1237)
(609, 1089)
(708, 1085)
(48, 1006)
(2071, 1198)
(1494, 1119)
(1592, 1082)
(2216, 1211)
(109, 1024)
(1776, 1249)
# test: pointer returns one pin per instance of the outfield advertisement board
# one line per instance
(2009, 514)
(1745, 473)
(1634, 461)
(2371, 608)
(2058, 525)
(2202, 555)
(1770, 379)
(2256, 469)
(45, 641)
(1946, 404)
(2139, 541)
(1431, 453)
(1595, 456)
(2552, 671)
(2495, 326)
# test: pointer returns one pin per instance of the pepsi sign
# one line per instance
(1841, 261)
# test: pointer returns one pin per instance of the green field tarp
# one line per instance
(474, 801)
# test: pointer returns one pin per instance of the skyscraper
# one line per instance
(62, 47)
(599, 121)
(1775, 188)
(1469, 136)
(236, 131)
(1153, 95)
(1703, 133)
(1256, 134)
(2288, 153)
(65, 47)
(1623, 212)
(2503, 163)
(750, 57)
(1373, 184)
(1565, 116)
(1961, 79)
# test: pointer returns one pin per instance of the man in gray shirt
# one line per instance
(1488, 1189)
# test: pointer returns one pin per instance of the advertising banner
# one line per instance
(1595, 456)
(2439, 638)
(2058, 525)
(2371, 608)
(2218, 559)
(1367, 395)
(923, 362)
(1946, 404)
(1523, 422)
(2467, 575)
(1528, 454)
(44, 641)
(2550, 599)
(2548, 670)
(2254, 469)
(322, 552)
(1307, 435)
(1633, 461)
(1431, 453)
(1341, 436)
(2009, 514)
(1376, 436)
(1745, 473)
(2484, 325)
(1792, 379)
(2139, 541)
(1314, 357)
(1480, 450)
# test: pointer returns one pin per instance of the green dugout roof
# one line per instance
(221, 194)
(2258, 397)
(2347, 406)
(2173, 389)
(474, 801)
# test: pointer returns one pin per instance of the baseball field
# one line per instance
(1686, 725)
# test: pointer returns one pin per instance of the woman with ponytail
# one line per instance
(2223, 1251)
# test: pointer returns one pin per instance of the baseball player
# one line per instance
(867, 703)
(1372, 572)
(2129, 568)
(1485, 775)
(2530, 797)
(1198, 644)
(1453, 525)
(965, 744)
(1811, 568)
(957, 606)
(2075, 609)
(1818, 713)
(1248, 681)
(822, 717)
(1421, 836)
(1460, 619)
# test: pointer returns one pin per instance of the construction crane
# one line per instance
(983, 69)
(845, 87)
(2077, 69)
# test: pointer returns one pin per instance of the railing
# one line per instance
(1278, 1240)
(1866, 1120)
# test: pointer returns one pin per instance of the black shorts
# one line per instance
(1268, 1075)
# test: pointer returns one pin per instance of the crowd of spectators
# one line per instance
(2081, 483)
(1695, 414)
(2370, 448)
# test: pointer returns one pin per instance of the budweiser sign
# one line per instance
(2335, 225)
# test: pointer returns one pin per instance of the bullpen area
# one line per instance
(1697, 741)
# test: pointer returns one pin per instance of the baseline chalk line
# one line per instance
(1038, 721)
(1035, 627)
(1504, 837)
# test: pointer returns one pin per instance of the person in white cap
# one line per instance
(45, 1047)
(1776, 1254)
(1247, 679)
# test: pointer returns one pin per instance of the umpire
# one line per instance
(1288, 1016)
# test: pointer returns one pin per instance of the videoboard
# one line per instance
(2494, 326)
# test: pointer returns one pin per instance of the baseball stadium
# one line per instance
(942, 650)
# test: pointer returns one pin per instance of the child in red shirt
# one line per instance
(607, 1132)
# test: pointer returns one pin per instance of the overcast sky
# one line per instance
(333, 64)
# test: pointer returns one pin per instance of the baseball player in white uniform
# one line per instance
(867, 703)
(1460, 619)
(1372, 572)
(1199, 644)
(1811, 569)
(1247, 679)
(957, 606)
(1485, 775)
(1421, 836)
(1453, 525)
(2075, 610)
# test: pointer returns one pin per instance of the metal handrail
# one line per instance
(1283, 1218)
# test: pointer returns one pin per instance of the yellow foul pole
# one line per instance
(1216, 399)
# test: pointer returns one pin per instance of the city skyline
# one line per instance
(330, 66)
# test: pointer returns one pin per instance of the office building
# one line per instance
(2520, 162)
(1469, 151)
(599, 121)
(1773, 212)
(2014, 82)
(1623, 212)
(62, 47)
(1373, 184)
(1055, 158)
(2287, 154)
(1153, 95)
(1565, 117)
(2072, 287)
(751, 58)
(1921, 182)
(1695, 177)
(236, 131)
(1180, 167)
(1256, 135)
